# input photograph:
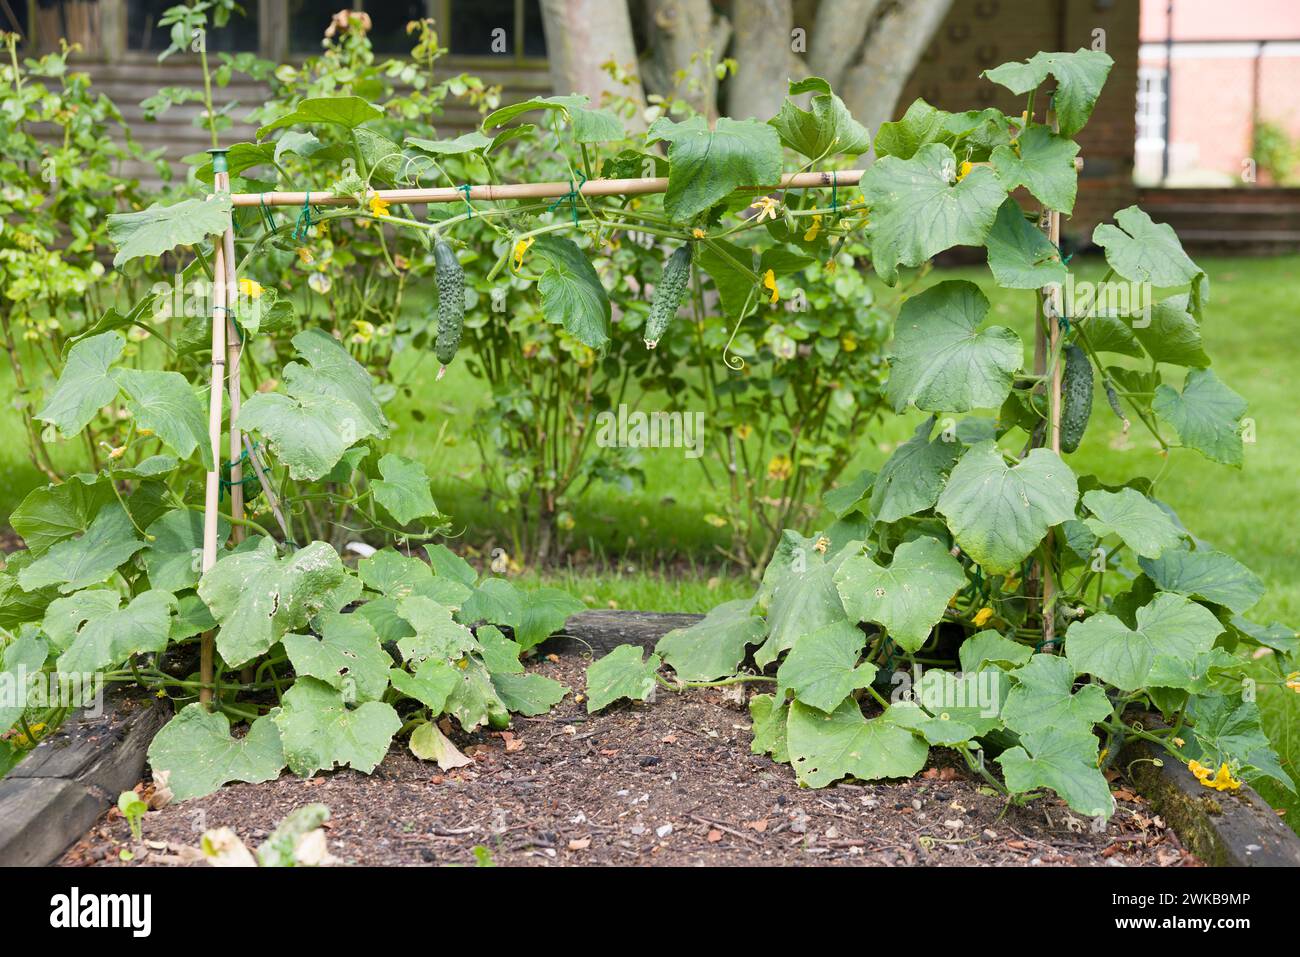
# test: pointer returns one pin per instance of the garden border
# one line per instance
(50, 800)
(59, 790)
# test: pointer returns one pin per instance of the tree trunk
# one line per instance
(837, 35)
(580, 36)
(679, 30)
(893, 47)
(764, 58)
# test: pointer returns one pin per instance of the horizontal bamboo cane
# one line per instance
(489, 192)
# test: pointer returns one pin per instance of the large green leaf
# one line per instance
(1064, 760)
(705, 165)
(1206, 574)
(20, 662)
(910, 481)
(85, 385)
(1079, 78)
(174, 556)
(1143, 251)
(822, 668)
(589, 126)
(165, 403)
(826, 747)
(160, 228)
(999, 514)
(65, 616)
(346, 657)
(51, 513)
(346, 111)
(919, 208)
(909, 597)
(732, 269)
(1229, 729)
(714, 647)
(620, 674)
(940, 362)
(88, 559)
(1043, 163)
(474, 700)
(330, 407)
(530, 694)
(1104, 646)
(1020, 256)
(545, 610)
(802, 601)
(431, 683)
(198, 754)
(404, 489)
(400, 576)
(989, 647)
(824, 129)
(258, 598)
(1140, 523)
(572, 295)
(920, 126)
(1173, 334)
(770, 719)
(437, 634)
(1044, 697)
(471, 142)
(1206, 415)
(144, 625)
(318, 730)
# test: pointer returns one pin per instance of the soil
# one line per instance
(672, 782)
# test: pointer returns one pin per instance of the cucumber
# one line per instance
(668, 295)
(1076, 398)
(450, 280)
(1113, 398)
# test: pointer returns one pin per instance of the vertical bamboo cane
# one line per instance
(1051, 307)
(216, 390)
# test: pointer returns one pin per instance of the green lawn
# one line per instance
(642, 537)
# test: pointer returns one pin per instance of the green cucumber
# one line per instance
(668, 295)
(450, 280)
(1076, 398)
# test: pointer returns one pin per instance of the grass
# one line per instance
(654, 547)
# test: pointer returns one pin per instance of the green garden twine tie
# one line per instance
(268, 218)
(304, 224)
(572, 196)
(468, 205)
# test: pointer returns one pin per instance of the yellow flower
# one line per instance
(1178, 742)
(698, 233)
(982, 616)
(521, 247)
(304, 256)
(848, 343)
(814, 229)
(769, 282)
(766, 208)
(743, 431)
(1293, 681)
(963, 170)
(250, 288)
(780, 468)
(830, 266)
(1221, 781)
(1102, 757)
(821, 545)
(365, 331)
(717, 521)
(378, 207)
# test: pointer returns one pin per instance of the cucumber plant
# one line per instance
(921, 617)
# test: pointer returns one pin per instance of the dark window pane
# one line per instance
(473, 22)
(388, 20)
(143, 32)
(308, 20)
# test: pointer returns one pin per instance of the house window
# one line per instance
(1151, 108)
(483, 27)
(143, 32)
(308, 20)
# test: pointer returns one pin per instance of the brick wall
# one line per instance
(979, 34)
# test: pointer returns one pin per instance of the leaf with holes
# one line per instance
(319, 731)
(347, 657)
(822, 668)
(909, 597)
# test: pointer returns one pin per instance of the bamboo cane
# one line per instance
(489, 192)
(234, 351)
(216, 388)
(1051, 308)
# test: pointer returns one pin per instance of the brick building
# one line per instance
(1209, 82)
